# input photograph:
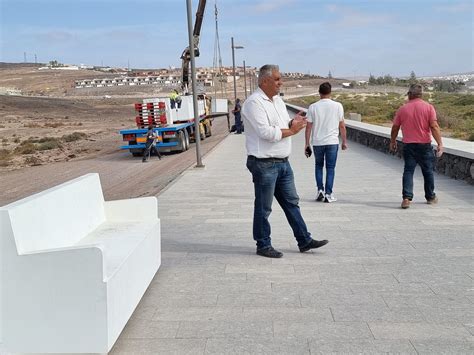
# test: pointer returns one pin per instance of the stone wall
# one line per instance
(455, 163)
(454, 166)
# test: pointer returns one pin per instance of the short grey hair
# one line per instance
(266, 70)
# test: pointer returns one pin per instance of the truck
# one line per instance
(173, 124)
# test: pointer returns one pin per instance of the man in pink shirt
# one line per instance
(418, 122)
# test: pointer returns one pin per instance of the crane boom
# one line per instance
(186, 56)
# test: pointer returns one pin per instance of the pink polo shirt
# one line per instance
(415, 118)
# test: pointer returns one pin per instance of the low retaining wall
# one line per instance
(456, 162)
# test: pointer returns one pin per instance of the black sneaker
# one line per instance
(269, 253)
(313, 244)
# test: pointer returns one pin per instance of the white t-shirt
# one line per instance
(264, 119)
(325, 116)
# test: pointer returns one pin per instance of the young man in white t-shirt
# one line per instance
(325, 122)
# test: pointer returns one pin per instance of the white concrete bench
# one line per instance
(74, 267)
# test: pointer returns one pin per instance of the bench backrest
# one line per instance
(57, 217)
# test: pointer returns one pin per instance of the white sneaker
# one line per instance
(330, 198)
(320, 195)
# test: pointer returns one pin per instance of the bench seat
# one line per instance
(73, 267)
(117, 240)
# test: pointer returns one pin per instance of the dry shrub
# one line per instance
(54, 125)
(49, 144)
(32, 160)
(5, 156)
(26, 148)
(31, 125)
(75, 136)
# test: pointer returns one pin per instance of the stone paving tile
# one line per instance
(216, 313)
(270, 346)
(260, 269)
(321, 330)
(448, 302)
(159, 346)
(423, 331)
(398, 289)
(447, 315)
(321, 298)
(361, 346)
(311, 278)
(375, 313)
(149, 329)
(225, 329)
(296, 314)
(434, 346)
(259, 299)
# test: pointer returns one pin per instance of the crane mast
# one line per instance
(186, 56)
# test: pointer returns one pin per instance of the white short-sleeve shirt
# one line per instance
(325, 116)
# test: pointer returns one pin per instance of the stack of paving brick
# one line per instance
(151, 113)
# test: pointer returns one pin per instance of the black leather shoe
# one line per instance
(269, 253)
(314, 244)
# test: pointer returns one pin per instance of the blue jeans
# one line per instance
(273, 178)
(326, 153)
(422, 154)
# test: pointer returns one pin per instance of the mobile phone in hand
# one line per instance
(308, 152)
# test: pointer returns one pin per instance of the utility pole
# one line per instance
(245, 81)
(197, 132)
(233, 66)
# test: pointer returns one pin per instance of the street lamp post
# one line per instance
(233, 66)
(197, 133)
(245, 82)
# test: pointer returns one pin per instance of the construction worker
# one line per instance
(175, 99)
(150, 144)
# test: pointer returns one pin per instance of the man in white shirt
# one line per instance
(268, 129)
(325, 121)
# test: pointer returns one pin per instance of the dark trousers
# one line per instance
(238, 123)
(418, 154)
(149, 149)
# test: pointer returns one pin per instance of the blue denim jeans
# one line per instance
(326, 153)
(270, 179)
(423, 155)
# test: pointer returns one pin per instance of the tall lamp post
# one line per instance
(233, 66)
(245, 82)
(197, 132)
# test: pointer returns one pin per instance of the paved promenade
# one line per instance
(389, 281)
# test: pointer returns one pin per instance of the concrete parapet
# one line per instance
(456, 162)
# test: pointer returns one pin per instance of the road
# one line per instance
(122, 176)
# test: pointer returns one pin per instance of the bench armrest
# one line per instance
(135, 209)
(69, 257)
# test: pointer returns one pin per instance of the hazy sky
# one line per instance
(348, 38)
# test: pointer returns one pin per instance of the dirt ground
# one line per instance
(49, 135)
(51, 132)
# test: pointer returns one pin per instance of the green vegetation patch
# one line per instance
(455, 111)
